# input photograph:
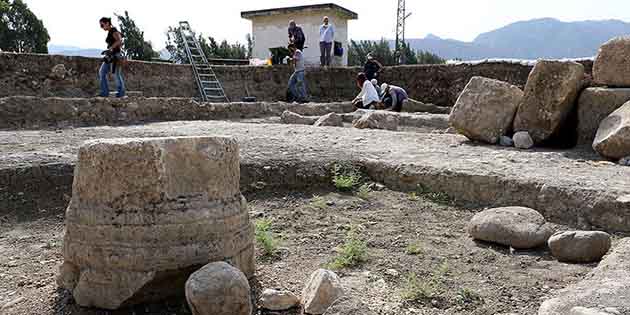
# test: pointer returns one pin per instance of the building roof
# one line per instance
(288, 10)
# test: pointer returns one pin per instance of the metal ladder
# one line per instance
(209, 86)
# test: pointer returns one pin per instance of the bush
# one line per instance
(265, 238)
(346, 177)
(352, 253)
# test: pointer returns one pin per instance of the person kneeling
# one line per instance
(368, 98)
(393, 97)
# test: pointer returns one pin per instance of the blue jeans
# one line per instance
(106, 68)
(297, 86)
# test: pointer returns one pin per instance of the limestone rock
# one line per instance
(275, 300)
(506, 141)
(613, 136)
(58, 72)
(145, 213)
(296, 119)
(218, 289)
(348, 306)
(606, 288)
(522, 140)
(518, 227)
(377, 120)
(594, 105)
(550, 94)
(323, 288)
(330, 120)
(485, 109)
(612, 65)
(579, 246)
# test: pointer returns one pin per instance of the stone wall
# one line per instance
(30, 74)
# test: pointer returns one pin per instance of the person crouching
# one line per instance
(368, 97)
(393, 97)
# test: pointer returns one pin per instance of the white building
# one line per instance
(269, 29)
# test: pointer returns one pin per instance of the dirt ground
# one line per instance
(405, 234)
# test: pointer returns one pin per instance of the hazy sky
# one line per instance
(75, 22)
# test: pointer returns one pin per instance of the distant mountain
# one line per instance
(540, 38)
(73, 51)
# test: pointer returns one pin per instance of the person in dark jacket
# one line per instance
(372, 68)
(393, 97)
(112, 60)
(296, 36)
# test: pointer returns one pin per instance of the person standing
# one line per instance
(368, 98)
(372, 67)
(112, 60)
(297, 82)
(296, 36)
(326, 39)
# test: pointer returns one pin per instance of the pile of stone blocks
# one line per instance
(146, 213)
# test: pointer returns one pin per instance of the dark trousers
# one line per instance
(326, 53)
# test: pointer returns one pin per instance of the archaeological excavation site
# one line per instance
(501, 188)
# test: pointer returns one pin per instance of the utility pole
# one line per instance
(401, 19)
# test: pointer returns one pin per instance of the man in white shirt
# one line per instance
(368, 98)
(326, 39)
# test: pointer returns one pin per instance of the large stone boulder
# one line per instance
(322, 290)
(485, 109)
(606, 288)
(612, 64)
(378, 120)
(275, 300)
(296, 119)
(579, 246)
(550, 94)
(330, 120)
(145, 213)
(522, 140)
(218, 289)
(594, 105)
(613, 136)
(518, 227)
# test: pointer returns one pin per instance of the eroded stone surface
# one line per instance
(580, 246)
(522, 140)
(550, 94)
(289, 117)
(329, 120)
(218, 289)
(348, 306)
(612, 65)
(145, 212)
(606, 287)
(377, 120)
(275, 300)
(485, 109)
(322, 290)
(613, 136)
(518, 227)
(594, 105)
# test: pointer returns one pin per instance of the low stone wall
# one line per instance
(30, 74)
(30, 112)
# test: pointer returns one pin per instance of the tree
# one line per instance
(20, 29)
(357, 54)
(134, 44)
(210, 47)
(250, 45)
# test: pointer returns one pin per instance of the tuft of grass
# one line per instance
(364, 192)
(319, 202)
(352, 253)
(416, 290)
(346, 177)
(434, 196)
(413, 196)
(443, 269)
(468, 296)
(414, 249)
(265, 237)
